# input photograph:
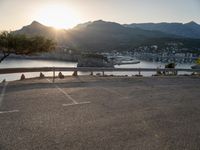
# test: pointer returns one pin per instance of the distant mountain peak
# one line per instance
(105, 24)
(82, 25)
(192, 23)
(99, 24)
(104, 35)
(36, 28)
(36, 23)
(100, 21)
(189, 30)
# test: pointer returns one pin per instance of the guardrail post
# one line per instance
(53, 74)
(176, 72)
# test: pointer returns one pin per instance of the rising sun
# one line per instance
(57, 16)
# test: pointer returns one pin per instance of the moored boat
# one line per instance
(128, 62)
(196, 67)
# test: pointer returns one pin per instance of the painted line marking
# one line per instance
(7, 112)
(81, 103)
(3, 92)
(1, 100)
(74, 102)
(66, 94)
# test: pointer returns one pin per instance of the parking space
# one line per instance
(101, 113)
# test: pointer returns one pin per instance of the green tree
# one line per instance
(198, 61)
(22, 45)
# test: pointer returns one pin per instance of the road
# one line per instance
(101, 113)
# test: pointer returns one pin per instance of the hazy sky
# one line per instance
(67, 13)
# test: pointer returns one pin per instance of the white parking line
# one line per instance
(3, 92)
(6, 112)
(81, 103)
(74, 102)
(1, 100)
(66, 94)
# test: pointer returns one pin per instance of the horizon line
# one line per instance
(100, 20)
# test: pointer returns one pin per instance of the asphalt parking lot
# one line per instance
(101, 113)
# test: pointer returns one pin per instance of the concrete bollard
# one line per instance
(61, 76)
(22, 77)
(4, 81)
(41, 75)
(75, 74)
(139, 72)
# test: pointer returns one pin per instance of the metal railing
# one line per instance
(90, 69)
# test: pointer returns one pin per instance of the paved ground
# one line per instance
(96, 113)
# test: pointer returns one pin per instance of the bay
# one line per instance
(17, 63)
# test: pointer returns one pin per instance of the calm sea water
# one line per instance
(16, 63)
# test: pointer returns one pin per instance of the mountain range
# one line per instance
(189, 30)
(103, 36)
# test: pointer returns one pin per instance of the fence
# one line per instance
(90, 69)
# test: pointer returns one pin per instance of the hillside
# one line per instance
(101, 36)
(188, 30)
(108, 35)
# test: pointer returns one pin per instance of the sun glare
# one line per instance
(57, 16)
